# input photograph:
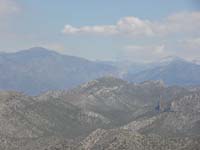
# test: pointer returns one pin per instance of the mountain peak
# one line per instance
(106, 81)
(159, 83)
(39, 50)
(110, 78)
(111, 81)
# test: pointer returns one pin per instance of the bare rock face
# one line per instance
(186, 112)
(188, 103)
(138, 125)
(181, 118)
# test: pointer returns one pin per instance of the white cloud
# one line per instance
(107, 30)
(134, 26)
(189, 49)
(129, 25)
(188, 22)
(182, 23)
(8, 7)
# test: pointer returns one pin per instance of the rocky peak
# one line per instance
(108, 82)
(152, 83)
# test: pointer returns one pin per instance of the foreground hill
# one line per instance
(124, 112)
(119, 139)
(37, 70)
(180, 119)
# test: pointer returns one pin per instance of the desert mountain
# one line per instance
(117, 108)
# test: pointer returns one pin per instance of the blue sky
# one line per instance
(105, 30)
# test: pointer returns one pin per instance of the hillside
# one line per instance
(116, 107)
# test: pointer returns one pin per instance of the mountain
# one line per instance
(117, 100)
(119, 139)
(176, 128)
(173, 71)
(107, 111)
(124, 67)
(38, 70)
(180, 119)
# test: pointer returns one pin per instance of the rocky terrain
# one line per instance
(118, 139)
(106, 113)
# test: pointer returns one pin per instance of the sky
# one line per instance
(133, 30)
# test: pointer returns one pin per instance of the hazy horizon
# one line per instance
(165, 58)
(143, 31)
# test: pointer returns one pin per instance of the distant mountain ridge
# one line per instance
(173, 71)
(38, 70)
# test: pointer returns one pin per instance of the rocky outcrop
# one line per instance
(123, 113)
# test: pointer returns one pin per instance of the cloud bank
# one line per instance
(187, 23)
(175, 35)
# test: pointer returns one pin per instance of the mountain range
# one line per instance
(173, 71)
(52, 101)
(38, 70)
(106, 113)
